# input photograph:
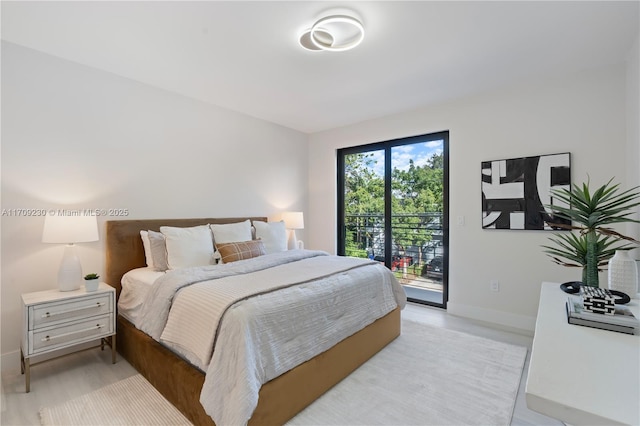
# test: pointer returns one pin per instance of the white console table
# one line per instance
(582, 375)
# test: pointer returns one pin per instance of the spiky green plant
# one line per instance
(591, 214)
(571, 250)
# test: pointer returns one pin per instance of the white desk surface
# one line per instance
(582, 375)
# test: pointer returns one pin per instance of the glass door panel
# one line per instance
(364, 217)
(417, 219)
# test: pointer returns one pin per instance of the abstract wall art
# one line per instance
(515, 191)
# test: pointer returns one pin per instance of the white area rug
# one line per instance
(427, 376)
(132, 401)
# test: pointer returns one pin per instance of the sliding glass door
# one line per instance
(392, 207)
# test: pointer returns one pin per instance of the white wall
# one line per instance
(77, 137)
(633, 130)
(582, 114)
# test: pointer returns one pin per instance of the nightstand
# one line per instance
(53, 320)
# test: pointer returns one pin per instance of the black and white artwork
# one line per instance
(515, 191)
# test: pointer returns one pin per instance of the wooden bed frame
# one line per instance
(281, 398)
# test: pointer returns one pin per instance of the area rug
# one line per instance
(132, 401)
(427, 376)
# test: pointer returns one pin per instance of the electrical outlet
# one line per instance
(494, 285)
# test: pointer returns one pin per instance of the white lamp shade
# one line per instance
(293, 220)
(70, 229)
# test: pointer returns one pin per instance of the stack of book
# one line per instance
(622, 321)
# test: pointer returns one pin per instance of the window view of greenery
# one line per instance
(416, 205)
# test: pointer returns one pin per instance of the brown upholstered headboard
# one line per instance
(124, 245)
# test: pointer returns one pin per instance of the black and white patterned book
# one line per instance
(622, 321)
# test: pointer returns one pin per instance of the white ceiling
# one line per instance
(245, 56)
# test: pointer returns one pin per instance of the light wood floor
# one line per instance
(65, 378)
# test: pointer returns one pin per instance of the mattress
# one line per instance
(135, 287)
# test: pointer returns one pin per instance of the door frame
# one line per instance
(386, 147)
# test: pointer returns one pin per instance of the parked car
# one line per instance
(433, 268)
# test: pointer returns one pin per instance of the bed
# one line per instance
(282, 397)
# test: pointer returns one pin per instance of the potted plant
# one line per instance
(91, 282)
(591, 214)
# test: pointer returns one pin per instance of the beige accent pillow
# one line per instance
(231, 252)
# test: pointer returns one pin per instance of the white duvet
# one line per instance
(272, 313)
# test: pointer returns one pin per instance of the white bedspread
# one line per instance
(153, 316)
(321, 300)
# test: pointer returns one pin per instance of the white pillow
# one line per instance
(188, 246)
(231, 232)
(158, 245)
(273, 235)
(147, 248)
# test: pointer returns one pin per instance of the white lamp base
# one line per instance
(293, 241)
(70, 272)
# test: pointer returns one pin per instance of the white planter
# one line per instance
(623, 273)
(91, 285)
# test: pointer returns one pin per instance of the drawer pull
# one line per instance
(50, 338)
(49, 315)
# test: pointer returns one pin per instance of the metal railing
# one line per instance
(417, 236)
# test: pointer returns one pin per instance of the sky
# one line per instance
(400, 155)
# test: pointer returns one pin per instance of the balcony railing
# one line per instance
(417, 245)
(414, 235)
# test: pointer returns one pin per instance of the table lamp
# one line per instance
(293, 221)
(70, 230)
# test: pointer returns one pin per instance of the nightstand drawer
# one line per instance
(53, 313)
(78, 332)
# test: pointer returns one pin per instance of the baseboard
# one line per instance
(505, 320)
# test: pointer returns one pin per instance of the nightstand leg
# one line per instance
(113, 349)
(27, 375)
(26, 370)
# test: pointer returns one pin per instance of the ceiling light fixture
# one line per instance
(335, 33)
(305, 39)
